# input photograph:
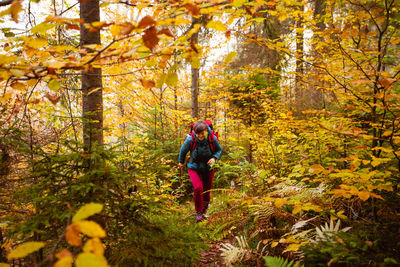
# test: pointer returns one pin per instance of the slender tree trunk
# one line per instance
(299, 94)
(195, 80)
(195, 93)
(317, 96)
(92, 87)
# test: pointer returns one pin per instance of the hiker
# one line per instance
(205, 150)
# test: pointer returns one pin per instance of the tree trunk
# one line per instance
(317, 96)
(299, 93)
(92, 87)
(195, 93)
(195, 81)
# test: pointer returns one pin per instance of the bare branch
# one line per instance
(5, 2)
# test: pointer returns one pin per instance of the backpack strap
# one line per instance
(211, 141)
(193, 143)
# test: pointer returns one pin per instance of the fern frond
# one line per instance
(325, 233)
(281, 262)
(232, 254)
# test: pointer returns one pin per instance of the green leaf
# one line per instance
(196, 63)
(89, 259)
(43, 27)
(230, 56)
(172, 79)
(54, 85)
(280, 262)
(25, 249)
(161, 80)
(87, 211)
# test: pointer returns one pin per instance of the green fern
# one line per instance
(281, 262)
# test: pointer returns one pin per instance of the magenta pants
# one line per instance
(201, 183)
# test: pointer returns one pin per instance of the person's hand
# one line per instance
(211, 161)
(180, 165)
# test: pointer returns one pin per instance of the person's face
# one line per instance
(202, 135)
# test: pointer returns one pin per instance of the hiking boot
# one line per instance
(205, 216)
(199, 217)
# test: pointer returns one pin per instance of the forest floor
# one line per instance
(212, 256)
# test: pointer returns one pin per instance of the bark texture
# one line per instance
(92, 87)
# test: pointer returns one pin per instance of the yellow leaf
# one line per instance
(4, 99)
(280, 202)
(87, 211)
(116, 30)
(88, 259)
(17, 72)
(25, 249)
(274, 244)
(363, 195)
(377, 161)
(94, 246)
(172, 79)
(238, 3)
(216, 25)
(297, 209)
(292, 247)
(35, 42)
(4, 264)
(90, 228)
(55, 64)
(43, 27)
(196, 62)
(64, 262)
(230, 56)
(18, 86)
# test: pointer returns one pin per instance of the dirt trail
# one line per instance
(212, 256)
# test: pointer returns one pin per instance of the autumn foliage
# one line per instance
(304, 94)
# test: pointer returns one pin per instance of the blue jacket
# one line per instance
(201, 154)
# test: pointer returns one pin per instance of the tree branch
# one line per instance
(5, 2)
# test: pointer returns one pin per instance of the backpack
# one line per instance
(211, 135)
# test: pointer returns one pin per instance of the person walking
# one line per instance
(205, 150)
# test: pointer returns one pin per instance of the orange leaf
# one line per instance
(228, 34)
(72, 235)
(147, 83)
(127, 29)
(193, 9)
(63, 253)
(166, 31)
(146, 22)
(387, 82)
(72, 27)
(364, 195)
(15, 8)
(150, 38)
(53, 98)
